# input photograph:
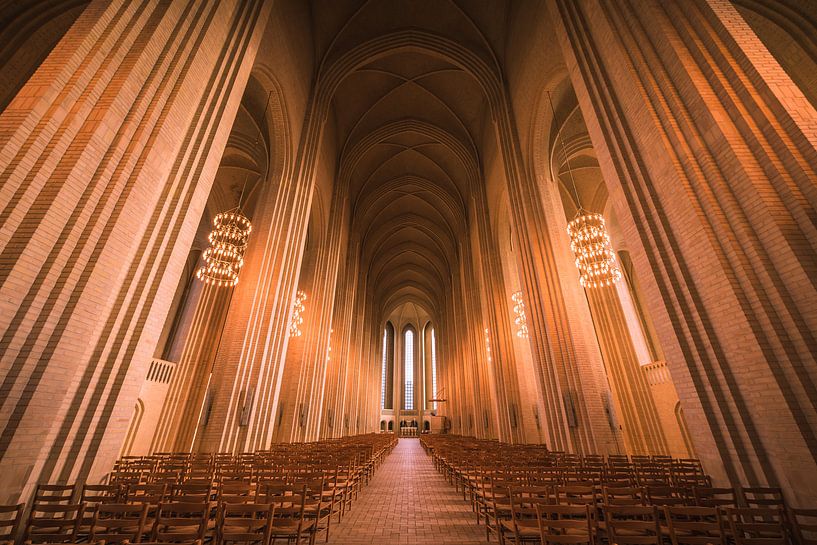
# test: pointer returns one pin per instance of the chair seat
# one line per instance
(289, 527)
(525, 528)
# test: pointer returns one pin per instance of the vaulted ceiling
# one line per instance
(408, 126)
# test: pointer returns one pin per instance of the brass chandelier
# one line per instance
(589, 239)
(228, 242)
(298, 308)
(520, 319)
(590, 243)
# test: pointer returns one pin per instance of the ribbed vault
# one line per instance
(407, 123)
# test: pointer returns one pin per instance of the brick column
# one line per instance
(709, 152)
(107, 156)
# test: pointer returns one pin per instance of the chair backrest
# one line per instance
(633, 524)
(624, 495)
(244, 522)
(757, 526)
(694, 525)
(763, 497)
(153, 494)
(565, 524)
(665, 495)
(181, 521)
(10, 518)
(53, 523)
(54, 493)
(804, 525)
(576, 494)
(93, 494)
(118, 522)
(168, 477)
(191, 492)
(236, 492)
(707, 496)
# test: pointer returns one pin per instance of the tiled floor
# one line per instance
(408, 502)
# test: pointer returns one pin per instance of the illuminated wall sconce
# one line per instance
(297, 314)
(520, 319)
(488, 345)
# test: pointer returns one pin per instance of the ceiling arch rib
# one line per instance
(408, 110)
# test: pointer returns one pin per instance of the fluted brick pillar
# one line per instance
(709, 151)
(107, 156)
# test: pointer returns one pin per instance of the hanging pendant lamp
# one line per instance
(520, 319)
(589, 239)
(225, 256)
(298, 308)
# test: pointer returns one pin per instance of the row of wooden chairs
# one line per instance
(648, 525)
(506, 484)
(283, 517)
(280, 500)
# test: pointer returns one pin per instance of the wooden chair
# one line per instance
(92, 495)
(524, 526)
(565, 524)
(119, 522)
(497, 507)
(10, 518)
(53, 523)
(757, 526)
(694, 525)
(633, 525)
(804, 526)
(181, 522)
(244, 522)
(289, 521)
(318, 505)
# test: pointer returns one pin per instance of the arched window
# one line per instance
(433, 367)
(408, 369)
(386, 386)
(647, 328)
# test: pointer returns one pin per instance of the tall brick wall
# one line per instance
(107, 155)
(708, 149)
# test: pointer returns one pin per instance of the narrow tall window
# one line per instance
(433, 367)
(385, 362)
(408, 362)
(387, 378)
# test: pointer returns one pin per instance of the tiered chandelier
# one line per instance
(520, 319)
(297, 314)
(589, 239)
(228, 242)
(590, 243)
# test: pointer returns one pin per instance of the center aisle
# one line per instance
(408, 502)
